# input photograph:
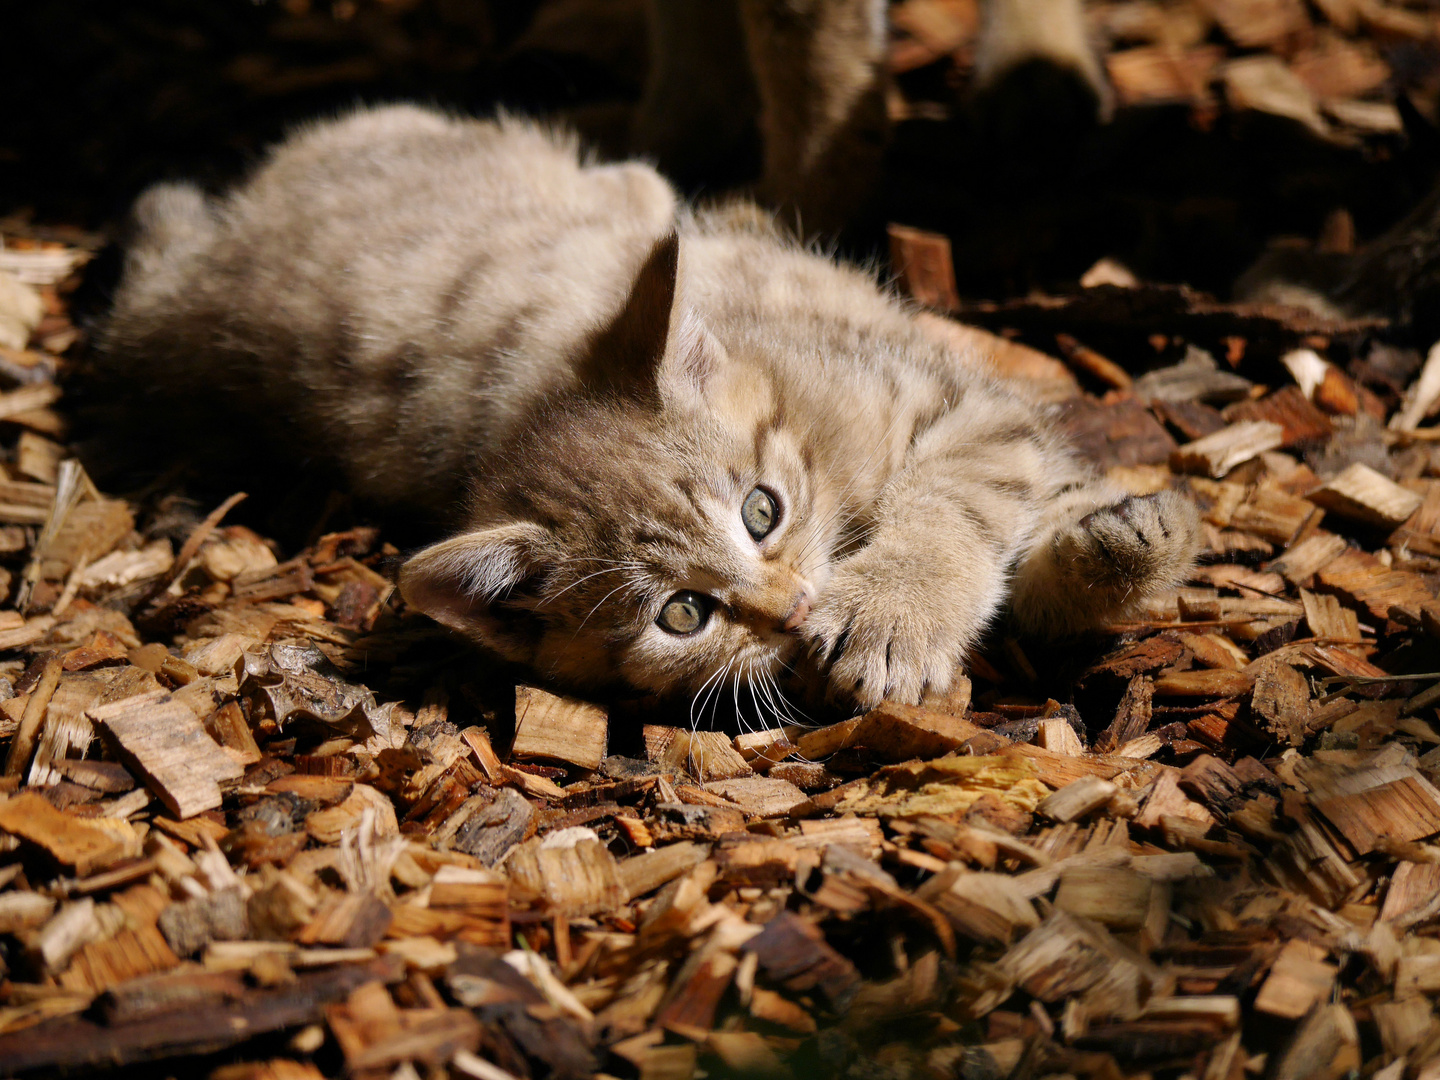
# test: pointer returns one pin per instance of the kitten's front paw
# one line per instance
(875, 640)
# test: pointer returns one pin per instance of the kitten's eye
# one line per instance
(684, 613)
(759, 513)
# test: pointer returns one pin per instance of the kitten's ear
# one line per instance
(462, 583)
(625, 358)
(629, 358)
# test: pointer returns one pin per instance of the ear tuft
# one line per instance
(459, 581)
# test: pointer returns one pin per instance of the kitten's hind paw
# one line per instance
(1103, 566)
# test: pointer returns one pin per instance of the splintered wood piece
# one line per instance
(1424, 392)
(1068, 955)
(1362, 494)
(494, 829)
(643, 874)
(24, 503)
(1421, 531)
(1412, 887)
(1215, 455)
(22, 746)
(22, 911)
(1216, 651)
(759, 796)
(1203, 682)
(558, 729)
(1402, 1024)
(1377, 805)
(1058, 736)
(705, 755)
(91, 529)
(70, 840)
(1309, 556)
(1329, 619)
(1163, 75)
(227, 726)
(923, 266)
(693, 1000)
(1088, 361)
(128, 955)
(1132, 715)
(328, 825)
(1364, 581)
(1077, 798)
(1114, 896)
(576, 879)
(38, 458)
(1298, 980)
(892, 732)
(1273, 514)
(482, 753)
(161, 741)
(1167, 800)
(982, 906)
(1282, 701)
(349, 920)
(1325, 1046)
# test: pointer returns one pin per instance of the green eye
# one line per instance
(759, 513)
(684, 613)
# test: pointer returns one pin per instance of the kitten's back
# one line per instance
(411, 281)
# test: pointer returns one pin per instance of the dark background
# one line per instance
(102, 98)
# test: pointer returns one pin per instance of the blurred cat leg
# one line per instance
(696, 117)
(821, 74)
(1038, 81)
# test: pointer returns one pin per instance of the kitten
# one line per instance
(697, 453)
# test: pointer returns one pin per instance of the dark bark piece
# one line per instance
(1213, 782)
(1301, 421)
(1132, 715)
(1120, 433)
(350, 921)
(794, 953)
(191, 925)
(71, 1043)
(497, 828)
(1190, 418)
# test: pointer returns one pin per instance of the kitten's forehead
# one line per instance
(620, 478)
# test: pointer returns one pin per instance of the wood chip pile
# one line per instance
(1332, 66)
(257, 821)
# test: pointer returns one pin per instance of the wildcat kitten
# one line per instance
(697, 453)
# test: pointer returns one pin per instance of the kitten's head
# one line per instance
(661, 529)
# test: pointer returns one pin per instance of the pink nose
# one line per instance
(797, 615)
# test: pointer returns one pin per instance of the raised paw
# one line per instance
(1140, 543)
(1104, 565)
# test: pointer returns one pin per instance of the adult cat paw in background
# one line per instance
(697, 455)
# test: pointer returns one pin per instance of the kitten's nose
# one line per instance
(798, 614)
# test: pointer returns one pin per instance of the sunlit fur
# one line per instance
(425, 300)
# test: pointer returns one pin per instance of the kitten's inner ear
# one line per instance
(625, 358)
(463, 582)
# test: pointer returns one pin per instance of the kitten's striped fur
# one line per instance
(426, 298)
